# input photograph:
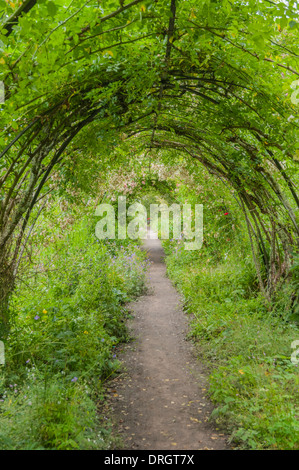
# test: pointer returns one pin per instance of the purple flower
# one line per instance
(36, 317)
(74, 379)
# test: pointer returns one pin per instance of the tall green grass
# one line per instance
(253, 383)
(67, 318)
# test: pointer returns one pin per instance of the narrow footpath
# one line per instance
(159, 402)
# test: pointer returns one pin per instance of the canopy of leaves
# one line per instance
(213, 80)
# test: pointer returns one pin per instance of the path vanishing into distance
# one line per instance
(159, 402)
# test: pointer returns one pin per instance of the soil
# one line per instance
(159, 402)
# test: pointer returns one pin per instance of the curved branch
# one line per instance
(26, 6)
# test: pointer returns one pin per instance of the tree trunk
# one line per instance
(6, 287)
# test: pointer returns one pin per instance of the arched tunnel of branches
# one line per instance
(210, 82)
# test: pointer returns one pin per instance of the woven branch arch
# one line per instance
(163, 77)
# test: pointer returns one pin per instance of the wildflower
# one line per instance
(225, 213)
(241, 372)
(45, 311)
(85, 332)
(74, 379)
(36, 317)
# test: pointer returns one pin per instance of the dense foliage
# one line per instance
(67, 319)
(211, 79)
(185, 100)
(252, 381)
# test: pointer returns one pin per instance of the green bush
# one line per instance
(68, 319)
(253, 382)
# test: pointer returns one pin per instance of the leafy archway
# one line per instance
(211, 80)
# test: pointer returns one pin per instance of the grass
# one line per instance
(66, 322)
(253, 382)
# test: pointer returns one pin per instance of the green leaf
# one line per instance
(52, 8)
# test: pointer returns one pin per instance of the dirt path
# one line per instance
(159, 402)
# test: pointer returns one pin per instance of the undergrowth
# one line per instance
(67, 319)
(253, 382)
